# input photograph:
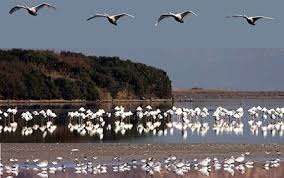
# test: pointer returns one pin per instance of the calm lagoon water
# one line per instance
(63, 134)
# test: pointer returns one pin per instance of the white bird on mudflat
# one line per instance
(42, 174)
(178, 17)
(251, 20)
(205, 162)
(42, 164)
(111, 18)
(240, 159)
(31, 10)
(249, 164)
(229, 161)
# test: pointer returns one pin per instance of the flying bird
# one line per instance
(111, 18)
(178, 17)
(251, 20)
(32, 10)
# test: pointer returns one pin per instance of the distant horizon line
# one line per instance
(177, 89)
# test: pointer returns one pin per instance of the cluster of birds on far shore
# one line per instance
(147, 121)
(113, 19)
(151, 166)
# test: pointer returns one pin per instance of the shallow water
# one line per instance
(62, 133)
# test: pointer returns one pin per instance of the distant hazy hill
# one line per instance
(28, 74)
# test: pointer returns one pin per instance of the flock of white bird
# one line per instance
(147, 121)
(41, 121)
(46, 124)
(179, 17)
(266, 120)
(151, 166)
(228, 121)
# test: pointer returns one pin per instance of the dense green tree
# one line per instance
(28, 74)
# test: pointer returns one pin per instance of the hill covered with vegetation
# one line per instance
(29, 74)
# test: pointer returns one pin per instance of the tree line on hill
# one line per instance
(39, 74)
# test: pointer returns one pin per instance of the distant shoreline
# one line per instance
(197, 94)
(181, 95)
(7, 102)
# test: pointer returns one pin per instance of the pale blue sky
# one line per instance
(192, 53)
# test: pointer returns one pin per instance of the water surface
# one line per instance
(63, 134)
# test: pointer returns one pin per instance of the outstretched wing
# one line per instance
(96, 16)
(116, 17)
(183, 14)
(18, 7)
(163, 16)
(237, 15)
(44, 5)
(255, 18)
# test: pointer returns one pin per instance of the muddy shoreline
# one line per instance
(105, 152)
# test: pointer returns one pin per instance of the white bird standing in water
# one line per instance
(251, 20)
(178, 17)
(31, 10)
(111, 18)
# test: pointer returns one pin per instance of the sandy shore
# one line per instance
(105, 152)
